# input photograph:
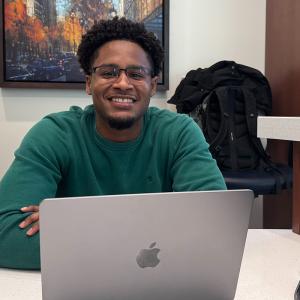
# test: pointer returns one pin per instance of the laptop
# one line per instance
(181, 245)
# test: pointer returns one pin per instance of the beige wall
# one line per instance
(202, 32)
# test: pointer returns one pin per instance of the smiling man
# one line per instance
(117, 145)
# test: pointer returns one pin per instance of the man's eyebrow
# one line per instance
(107, 65)
(128, 66)
(136, 66)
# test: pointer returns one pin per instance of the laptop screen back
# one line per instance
(185, 245)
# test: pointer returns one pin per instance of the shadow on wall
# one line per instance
(11, 137)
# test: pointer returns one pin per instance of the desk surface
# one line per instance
(279, 128)
(270, 270)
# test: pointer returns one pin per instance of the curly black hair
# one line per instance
(119, 29)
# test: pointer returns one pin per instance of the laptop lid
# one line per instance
(185, 245)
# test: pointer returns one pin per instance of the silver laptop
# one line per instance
(164, 246)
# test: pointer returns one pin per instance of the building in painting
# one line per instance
(45, 10)
(147, 11)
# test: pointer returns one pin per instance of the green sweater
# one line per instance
(64, 156)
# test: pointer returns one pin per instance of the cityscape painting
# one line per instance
(39, 38)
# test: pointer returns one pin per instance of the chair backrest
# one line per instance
(225, 100)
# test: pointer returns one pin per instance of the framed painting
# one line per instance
(39, 38)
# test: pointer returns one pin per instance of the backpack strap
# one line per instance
(221, 95)
(251, 119)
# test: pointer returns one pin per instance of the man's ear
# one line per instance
(88, 83)
(154, 81)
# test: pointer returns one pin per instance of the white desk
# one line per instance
(270, 270)
(279, 128)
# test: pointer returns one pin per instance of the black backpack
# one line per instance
(225, 99)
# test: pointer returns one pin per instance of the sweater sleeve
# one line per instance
(33, 176)
(193, 167)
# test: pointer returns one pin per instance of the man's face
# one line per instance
(120, 101)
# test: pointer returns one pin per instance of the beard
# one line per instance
(121, 124)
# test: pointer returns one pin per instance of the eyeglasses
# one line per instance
(112, 72)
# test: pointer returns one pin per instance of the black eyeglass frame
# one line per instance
(117, 70)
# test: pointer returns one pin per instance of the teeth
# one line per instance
(122, 100)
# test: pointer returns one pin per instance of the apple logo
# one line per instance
(148, 257)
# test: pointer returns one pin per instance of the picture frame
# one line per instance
(38, 44)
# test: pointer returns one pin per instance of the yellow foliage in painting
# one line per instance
(15, 13)
(72, 30)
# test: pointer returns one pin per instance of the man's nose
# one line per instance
(122, 81)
